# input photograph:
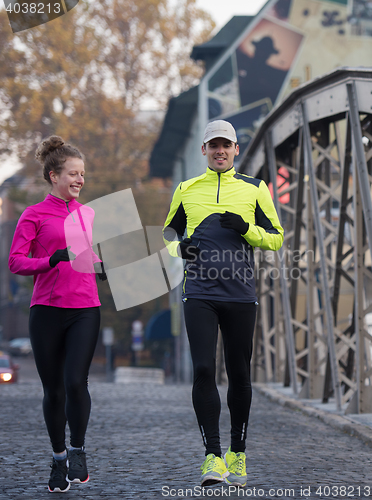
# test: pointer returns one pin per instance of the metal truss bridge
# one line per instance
(314, 329)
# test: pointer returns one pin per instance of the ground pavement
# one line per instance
(143, 443)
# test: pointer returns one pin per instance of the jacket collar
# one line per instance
(225, 175)
(59, 201)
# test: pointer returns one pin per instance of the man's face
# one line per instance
(220, 153)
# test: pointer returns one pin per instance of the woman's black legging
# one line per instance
(237, 322)
(63, 341)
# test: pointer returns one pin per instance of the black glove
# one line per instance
(188, 251)
(61, 256)
(100, 271)
(229, 220)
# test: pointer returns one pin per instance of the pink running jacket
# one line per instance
(40, 231)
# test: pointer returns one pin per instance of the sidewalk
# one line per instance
(359, 425)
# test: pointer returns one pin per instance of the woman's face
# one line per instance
(68, 183)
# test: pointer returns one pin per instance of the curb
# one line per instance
(362, 432)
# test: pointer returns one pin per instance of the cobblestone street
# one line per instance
(143, 443)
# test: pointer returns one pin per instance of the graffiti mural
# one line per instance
(287, 44)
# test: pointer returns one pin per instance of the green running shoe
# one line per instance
(236, 467)
(213, 470)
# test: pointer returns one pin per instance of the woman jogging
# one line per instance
(64, 315)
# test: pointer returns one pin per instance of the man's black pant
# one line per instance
(237, 322)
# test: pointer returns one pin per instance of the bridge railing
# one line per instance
(314, 322)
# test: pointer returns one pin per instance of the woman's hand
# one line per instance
(64, 255)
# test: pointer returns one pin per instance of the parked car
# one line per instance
(20, 347)
(8, 369)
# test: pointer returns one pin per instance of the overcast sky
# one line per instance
(223, 10)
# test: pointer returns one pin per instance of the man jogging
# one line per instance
(225, 215)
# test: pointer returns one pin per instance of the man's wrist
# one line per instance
(247, 228)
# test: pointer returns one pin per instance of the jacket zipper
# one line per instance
(219, 184)
(69, 211)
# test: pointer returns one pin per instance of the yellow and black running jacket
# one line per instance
(223, 270)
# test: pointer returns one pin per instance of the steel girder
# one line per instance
(315, 294)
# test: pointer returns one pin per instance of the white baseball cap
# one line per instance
(219, 128)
